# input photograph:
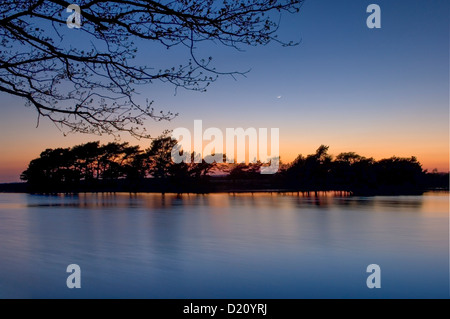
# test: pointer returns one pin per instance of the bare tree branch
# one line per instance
(90, 88)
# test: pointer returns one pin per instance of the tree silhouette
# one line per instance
(87, 85)
(86, 157)
(121, 167)
(311, 171)
(160, 156)
(348, 157)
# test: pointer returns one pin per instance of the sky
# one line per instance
(377, 92)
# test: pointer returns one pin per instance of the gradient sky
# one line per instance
(377, 92)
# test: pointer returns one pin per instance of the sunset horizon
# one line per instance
(11, 167)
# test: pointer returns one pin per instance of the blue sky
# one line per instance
(378, 92)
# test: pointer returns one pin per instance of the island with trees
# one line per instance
(120, 167)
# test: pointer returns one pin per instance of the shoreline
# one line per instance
(21, 188)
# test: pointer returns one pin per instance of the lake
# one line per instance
(262, 245)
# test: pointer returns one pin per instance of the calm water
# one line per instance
(223, 246)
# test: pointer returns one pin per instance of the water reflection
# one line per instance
(261, 245)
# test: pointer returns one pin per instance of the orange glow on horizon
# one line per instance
(12, 163)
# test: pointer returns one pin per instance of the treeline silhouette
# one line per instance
(116, 167)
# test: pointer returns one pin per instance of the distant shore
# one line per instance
(24, 188)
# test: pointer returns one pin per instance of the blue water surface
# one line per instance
(265, 245)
